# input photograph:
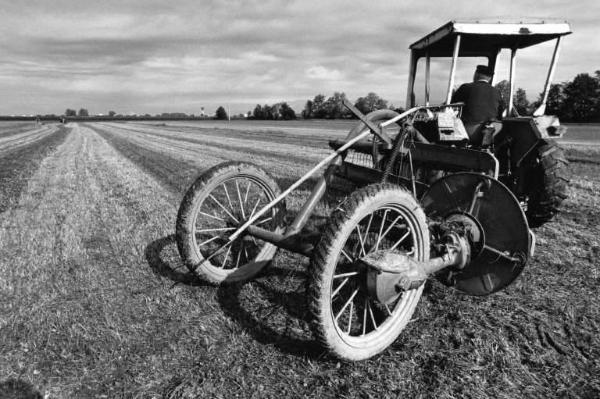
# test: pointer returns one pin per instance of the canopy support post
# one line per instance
(453, 69)
(542, 108)
(513, 56)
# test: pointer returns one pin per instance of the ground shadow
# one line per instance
(273, 310)
(18, 389)
(163, 259)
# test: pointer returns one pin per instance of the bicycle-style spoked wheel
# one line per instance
(347, 317)
(214, 207)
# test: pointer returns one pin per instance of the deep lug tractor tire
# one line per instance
(548, 184)
(345, 319)
(217, 203)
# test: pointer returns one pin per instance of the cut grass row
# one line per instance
(18, 164)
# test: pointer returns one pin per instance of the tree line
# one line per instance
(577, 100)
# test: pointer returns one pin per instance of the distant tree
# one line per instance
(555, 101)
(83, 112)
(307, 112)
(70, 112)
(504, 87)
(258, 112)
(221, 113)
(286, 112)
(370, 103)
(334, 107)
(111, 113)
(520, 102)
(582, 102)
(318, 107)
(268, 112)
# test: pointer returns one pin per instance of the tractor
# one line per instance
(429, 204)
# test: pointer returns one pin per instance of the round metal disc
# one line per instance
(506, 239)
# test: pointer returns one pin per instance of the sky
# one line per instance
(148, 56)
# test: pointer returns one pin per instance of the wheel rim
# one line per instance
(225, 207)
(359, 319)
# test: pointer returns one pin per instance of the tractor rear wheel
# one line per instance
(346, 319)
(547, 183)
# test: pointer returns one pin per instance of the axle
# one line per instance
(391, 273)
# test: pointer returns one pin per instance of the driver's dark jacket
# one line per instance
(483, 102)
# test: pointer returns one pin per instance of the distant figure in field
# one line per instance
(483, 103)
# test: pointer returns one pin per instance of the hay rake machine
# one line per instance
(422, 210)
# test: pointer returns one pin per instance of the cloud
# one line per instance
(154, 55)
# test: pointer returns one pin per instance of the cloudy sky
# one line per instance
(167, 56)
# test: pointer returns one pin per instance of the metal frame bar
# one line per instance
(453, 69)
(427, 77)
(542, 108)
(412, 70)
(332, 161)
(513, 56)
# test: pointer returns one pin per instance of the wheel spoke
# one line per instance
(388, 309)
(340, 287)
(371, 314)
(400, 240)
(350, 317)
(381, 229)
(212, 216)
(369, 224)
(347, 256)
(225, 258)
(217, 229)
(345, 274)
(222, 207)
(246, 254)
(364, 326)
(362, 244)
(389, 228)
(239, 254)
(227, 195)
(247, 191)
(254, 208)
(237, 187)
(209, 240)
(346, 304)
(263, 221)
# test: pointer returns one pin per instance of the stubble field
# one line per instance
(94, 301)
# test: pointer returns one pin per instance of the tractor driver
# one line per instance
(483, 104)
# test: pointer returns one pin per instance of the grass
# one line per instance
(95, 302)
(20, 163)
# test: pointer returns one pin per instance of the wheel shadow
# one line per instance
(272, 308)
(162, 257)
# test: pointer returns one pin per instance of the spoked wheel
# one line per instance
(218, 202)
(347, 319)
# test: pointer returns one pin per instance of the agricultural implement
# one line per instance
(429, 204)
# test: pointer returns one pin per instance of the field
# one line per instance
(94, 301)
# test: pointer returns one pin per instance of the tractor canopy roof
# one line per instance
(481, 38)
